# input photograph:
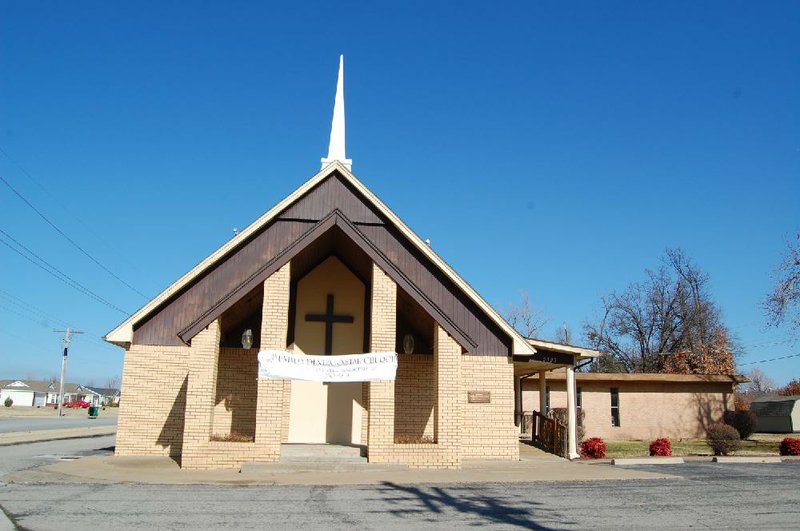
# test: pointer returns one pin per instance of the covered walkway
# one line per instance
(539, 425)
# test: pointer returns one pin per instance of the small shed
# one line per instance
(777, 414)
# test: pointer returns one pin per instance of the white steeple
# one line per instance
(336, 149)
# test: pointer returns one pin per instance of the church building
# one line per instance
(326, 321)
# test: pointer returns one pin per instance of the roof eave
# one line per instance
(580, 353)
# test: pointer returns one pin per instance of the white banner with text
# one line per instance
(370, 367)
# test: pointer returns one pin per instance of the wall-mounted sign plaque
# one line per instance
(479, 397)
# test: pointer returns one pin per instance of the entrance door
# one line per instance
(325, 413)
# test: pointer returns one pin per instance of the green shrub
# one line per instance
(743, 422)
(723, 439)
(8, 402)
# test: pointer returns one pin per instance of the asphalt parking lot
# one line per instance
(706, 496)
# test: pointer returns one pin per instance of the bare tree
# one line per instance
(783, 303)
(112, 382)
(759, 382)
(564, 334)
(526, 319)
(668, 322)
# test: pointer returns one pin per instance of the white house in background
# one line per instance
(36, 393)
(73, 392)
(108, 395)
(25, 392)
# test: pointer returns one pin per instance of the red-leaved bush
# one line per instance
(593, 448)
(790, 446)
(661, 446)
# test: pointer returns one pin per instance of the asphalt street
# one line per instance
(708, 496)
(15, 424)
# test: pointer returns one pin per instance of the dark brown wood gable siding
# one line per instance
(332, 193)
(163, 324)
(189, 307)
(489, 339)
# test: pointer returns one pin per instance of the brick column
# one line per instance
(200, 395)
(447, 364)
(383, 316)
(272, 406)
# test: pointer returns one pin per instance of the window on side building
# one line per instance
(615, 407)
(547, 399)
(578, 400)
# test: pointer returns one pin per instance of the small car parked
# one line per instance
(77, 404)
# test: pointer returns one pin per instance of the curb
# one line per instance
(734, 459)
(648, 461)
(6, 522)
(57, 438)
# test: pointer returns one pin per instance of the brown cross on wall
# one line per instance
(329, 318)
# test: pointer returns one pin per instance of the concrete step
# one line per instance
(322, 453)
(256, 469)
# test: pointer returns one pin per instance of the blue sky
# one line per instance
(575, 141)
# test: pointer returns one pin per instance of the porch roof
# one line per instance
(551, 355)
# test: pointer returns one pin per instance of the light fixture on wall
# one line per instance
(247, 338)
(408, 344)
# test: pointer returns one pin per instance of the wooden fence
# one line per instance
(546, 432)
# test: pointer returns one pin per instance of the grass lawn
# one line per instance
(757, 444)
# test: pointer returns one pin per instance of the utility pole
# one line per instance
(67, 336)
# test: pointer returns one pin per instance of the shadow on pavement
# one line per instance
(512, 509)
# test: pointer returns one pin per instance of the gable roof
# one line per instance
(123, 334)
(103, 391)
(41, 386)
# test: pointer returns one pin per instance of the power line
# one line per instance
(54, 271)
(33, 309)
(772, 359)
(70, 240)
(64, 207)
(93, 337)
(30, 307)
(768, 343)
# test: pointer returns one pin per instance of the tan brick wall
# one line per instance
(648, 410)
(272, 409)
(271, 400)
(448, 415)
(200, 397)
(415, 397)
(381, 339)
(447, 390)
(488, 430)
(154, 381)
(237, 387)
(365, 415)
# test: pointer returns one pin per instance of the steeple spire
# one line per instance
(336, 149)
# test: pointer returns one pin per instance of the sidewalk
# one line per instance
(163, 470)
